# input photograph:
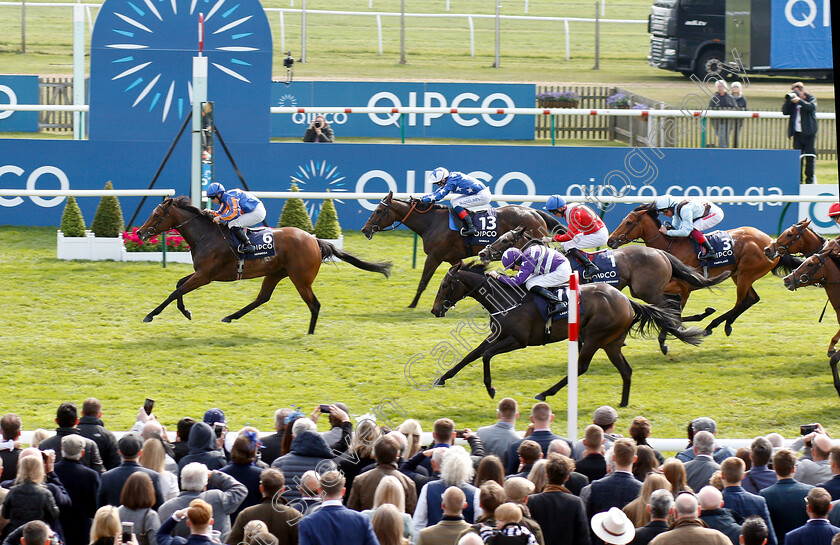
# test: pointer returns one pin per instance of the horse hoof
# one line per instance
(831, 352)
(708, 332)
(728, 330)
(491, 392)
(226, 320)
(664, 349)
(188, 315)
(710, 310)
(148, 319)
(439, 382)
(540, 397)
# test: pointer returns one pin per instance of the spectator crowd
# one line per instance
(370, 484)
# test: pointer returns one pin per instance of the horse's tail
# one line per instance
(649, 320)
(553, 224)
(683, 272)
(787, 264)
(328, 251)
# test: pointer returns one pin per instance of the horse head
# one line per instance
(807, 274)
(631, 227)
(380, 218)
(160, 220)
(494, 251)
(789, 236)
(451, 291)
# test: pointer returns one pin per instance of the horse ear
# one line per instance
(806, 222)
(457, 266)
(390, 196)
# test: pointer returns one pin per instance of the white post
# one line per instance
(78, 70)
(566, 28)
(379, 31)
(282, 32)
(402, 31)
(526, 6)
(447, 5)
(498, 32)
(89, 18)
(572, 386)
(303, 31)
(472, 37)
(603, 8)
(199, 83)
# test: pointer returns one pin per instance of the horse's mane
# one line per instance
(475, 267)
(431, 206)
(185, 203)
(650, 210)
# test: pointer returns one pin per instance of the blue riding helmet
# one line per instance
(215, 189)
(665, 202)
(555, 202)
(438, 175)
(511, 257)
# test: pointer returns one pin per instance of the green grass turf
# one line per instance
(71, 330)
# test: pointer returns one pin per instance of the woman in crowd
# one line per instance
(674, 471)
(389, 491)
(360, 453)
(537, 476)
(412, 431)
(242, 467)
(645, 462)
(490, 469)
(107, 528)
(388, 525)
(636, 510)
(640, 431)
(29, 499)
(137, 499)
(153, 456)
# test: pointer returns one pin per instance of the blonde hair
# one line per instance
(30, 470)
(366, 436)
(537, 475)
(389, 490)
(388, 525)
(508, 512)
(674, 471)
(252, 529)
(636, 510)
(412, 431)
(152, 455)
(106, 523)
(37, 436)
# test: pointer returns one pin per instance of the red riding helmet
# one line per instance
(834, 211)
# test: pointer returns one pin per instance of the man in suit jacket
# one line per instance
(786, 498)
(592, 464)
(660, 506)
(67, 419)
(604, 417)
(91, 426)
(272, 444)
(273, 510)
(833, 485)
(333, 523)
(713, 514)
(82, 485)
(451, 525)
(817, 531)
(576, 480)
(688, 529)
(816, 468)
(759, 476)
(704, 423)
(802, 125)
(130, 446)
(387, 451)
(529, 453)
(699, 470)
(739, 500)
(498, 437)
(560, 514)
(542, 417)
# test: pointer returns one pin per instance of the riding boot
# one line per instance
(707, 251)
(239, 233)
(589, 268)
(469, 229)
(555, 305)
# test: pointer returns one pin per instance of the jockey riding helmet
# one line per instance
(834, 211)
(511, 257)
(438, 175)
(555, 202)
(215, 189)
(664, 202)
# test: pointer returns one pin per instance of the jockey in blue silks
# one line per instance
(239, 209)
(469, 193)
(539, 267)
(690, 218)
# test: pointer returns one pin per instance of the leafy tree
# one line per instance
(72, 222)
(326, 226)
(294, 213)
(108, 220)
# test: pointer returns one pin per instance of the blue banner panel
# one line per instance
(515, 170)
(800, 34)
(391, 94)
(18, 90)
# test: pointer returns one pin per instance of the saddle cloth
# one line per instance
(261, 237)
(721, 242)
(604, 260)
(486, 223)
(542, 304)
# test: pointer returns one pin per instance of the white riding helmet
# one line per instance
(665, 202)
(438, 175)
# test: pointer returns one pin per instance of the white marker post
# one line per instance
(199, 83)
(78, 70)
(572, 386)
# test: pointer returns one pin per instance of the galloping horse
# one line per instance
(821, 269)
(606, 318)
(748, 249)
(796, 239)
(298, 256)
(647, 271)
(440, 243)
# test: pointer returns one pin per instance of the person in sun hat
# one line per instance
(613, 527)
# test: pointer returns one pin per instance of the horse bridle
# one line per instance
(451, 304)
(786, 247)
(516, 238)
(822, 258)
(153, 229)
(623, 236)
(387, 205)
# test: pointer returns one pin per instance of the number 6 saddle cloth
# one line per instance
(261, 237)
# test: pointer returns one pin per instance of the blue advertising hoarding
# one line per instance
(18, 90)
(800, 33)
(395, 94)
(520, 170)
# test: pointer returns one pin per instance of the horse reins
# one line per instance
(452, 288)
(799, 234)
(402, 221)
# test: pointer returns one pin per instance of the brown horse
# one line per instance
(821, 269)
(796, 239)
(440, 243)
(748, 249)
(298, 256)
(646, 271)
(607, 316)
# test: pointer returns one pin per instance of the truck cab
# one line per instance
(688, 36)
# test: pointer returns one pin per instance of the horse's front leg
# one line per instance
(831, 347)
(429, 268)
(506, 345)
(192, 282)
(469, 358)
(180, 300)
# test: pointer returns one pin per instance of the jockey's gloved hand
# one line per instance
(426, 198)
(667, 225)
(546, 240)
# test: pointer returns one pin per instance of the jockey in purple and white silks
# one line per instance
(469, 191)
(539, 267)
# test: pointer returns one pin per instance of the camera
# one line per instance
(791, 95)
(218, 427)
(127, 530)
(47, 453)
(148, 406)
(288, 61)
(459, 433)
(324, 407)
(807, 428)
(317, 124)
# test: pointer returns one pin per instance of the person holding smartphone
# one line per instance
(319, 131)
(802, 126)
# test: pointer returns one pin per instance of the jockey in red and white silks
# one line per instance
(586, 230)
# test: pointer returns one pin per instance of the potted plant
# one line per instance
(327, 227)
(618, 101)
(107, 228)
(294, 213)
(74, 241)
(558, 99)
(177, 249)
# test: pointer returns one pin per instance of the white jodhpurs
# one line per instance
(592, 240)
(248, 219)
(481, 198)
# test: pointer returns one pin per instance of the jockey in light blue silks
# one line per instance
(690, 218)
(469, 193)
(238, 210)
(539, 267)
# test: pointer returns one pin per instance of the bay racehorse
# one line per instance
(298, 255)
(646, 271)
(796, 239)
(748, 250)
(822, 269)
(441, 244)
(606, 318)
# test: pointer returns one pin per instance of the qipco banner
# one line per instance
(800, 34)
(389, 94)
(18, 90)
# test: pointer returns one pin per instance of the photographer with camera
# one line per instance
(319, 131)
(802, 125)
